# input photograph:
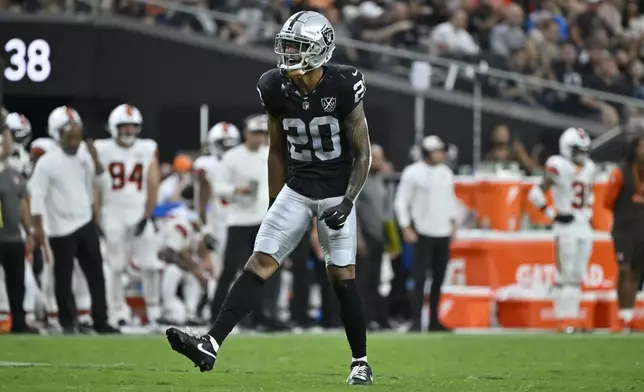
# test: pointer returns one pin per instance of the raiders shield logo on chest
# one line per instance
(328, 104)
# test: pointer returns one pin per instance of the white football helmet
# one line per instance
(20, 128)
(59, 118)
(305, 42)
(222, 137)
(574, 144)
(122, 115)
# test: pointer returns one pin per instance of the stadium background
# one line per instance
(100, 59)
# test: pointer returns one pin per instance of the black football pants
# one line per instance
(430, 253)
(82, 244)
(12, 259)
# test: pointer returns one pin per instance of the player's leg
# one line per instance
(339, 248)
(5, 311)
(567, 286)
(584, 251)
(282, 229)
(233, 260)
(116, 258)
(629, 272)
(170, 279)
(144, 250)
(192, 292)
(32, 291)
(48, 289)
(82, 298)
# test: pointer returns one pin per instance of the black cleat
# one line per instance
(361, 374)
(106, 329)
(201, 350)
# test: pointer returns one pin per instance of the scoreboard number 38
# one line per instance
(27, 60)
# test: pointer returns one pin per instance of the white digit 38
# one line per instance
(307, 141)
(31, 60)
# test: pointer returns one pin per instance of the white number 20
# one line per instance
(31, 60)
(359, 88)
(304, 145)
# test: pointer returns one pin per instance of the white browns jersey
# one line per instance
(572, 191)
(19, 160)
(128, 169)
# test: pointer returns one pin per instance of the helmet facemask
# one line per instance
(221, 145)
(127, 133)
(299, 55)
(579, 154)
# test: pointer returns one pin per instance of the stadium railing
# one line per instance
(445, 74)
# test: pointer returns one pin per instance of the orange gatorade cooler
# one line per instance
(498, 204)
(522, 309)
(465, 306)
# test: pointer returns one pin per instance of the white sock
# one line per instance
(626, 315)
(559, 303)
(573, 294)
(363, 359)
(151, 282)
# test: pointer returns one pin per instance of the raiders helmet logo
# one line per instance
(327, 36)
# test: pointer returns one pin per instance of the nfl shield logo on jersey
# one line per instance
(328, 104)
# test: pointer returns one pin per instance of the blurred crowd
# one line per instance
(596, 44)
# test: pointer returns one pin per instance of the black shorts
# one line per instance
(629, 247)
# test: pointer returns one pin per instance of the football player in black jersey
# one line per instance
(318, 162)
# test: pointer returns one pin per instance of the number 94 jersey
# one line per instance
(572, 191)
(319, 156)
(126, 191)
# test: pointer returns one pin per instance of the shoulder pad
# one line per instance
(150, 146)
(269, 87)
(352, 87)
(555, 165)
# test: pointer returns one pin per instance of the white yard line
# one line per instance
(82, 366)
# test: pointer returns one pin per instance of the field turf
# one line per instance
(415, 362)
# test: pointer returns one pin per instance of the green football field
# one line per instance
(428, 363)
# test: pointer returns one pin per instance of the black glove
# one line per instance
(138, 229)
(565, 219)
(271, 200)
(210, 242)
(335, 216)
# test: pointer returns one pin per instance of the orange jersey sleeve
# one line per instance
(614, 187)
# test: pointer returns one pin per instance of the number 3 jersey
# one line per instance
(126, 191)
(319, 156)
(572, 191)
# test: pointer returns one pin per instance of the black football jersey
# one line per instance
(319, 156)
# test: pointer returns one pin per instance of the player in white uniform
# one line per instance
(19, 160)
(570, 175)
(20, 128)
(126, 206)
(221, 137)
(179, 241)
(82, 297)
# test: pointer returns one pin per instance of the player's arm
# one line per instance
(358, 136)
(38, 187)
(205, 194)
(276, 157)
(25, 213)
(537, 194)
(154, 180)
(614, 188)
